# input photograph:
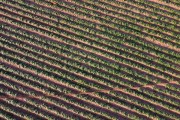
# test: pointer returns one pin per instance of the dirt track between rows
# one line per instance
(90, 93)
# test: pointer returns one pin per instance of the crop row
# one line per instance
(79, 10)
(62, 96)
(71, 22)
(163, 10)
(16, 47)
(107, 49)
(81, 60)
(11, 58)
(62, 53)
(118, 8)
(105, 14)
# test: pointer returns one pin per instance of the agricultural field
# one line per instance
(90, 59)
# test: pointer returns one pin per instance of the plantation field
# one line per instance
(90, 59)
